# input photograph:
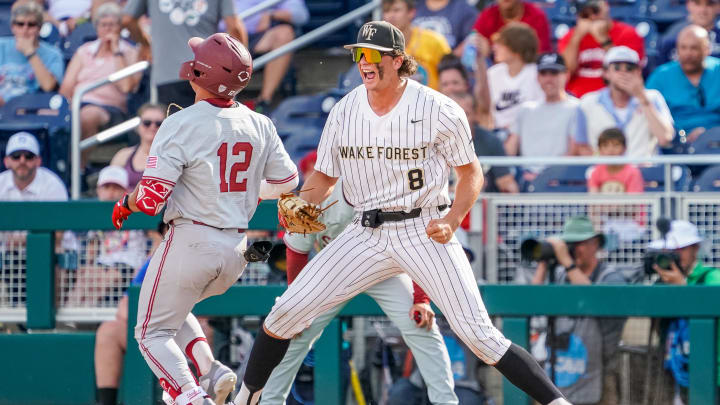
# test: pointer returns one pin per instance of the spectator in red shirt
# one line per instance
(584, 46)
(494, 17)
(623, 178)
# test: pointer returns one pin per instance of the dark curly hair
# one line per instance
(409, 65)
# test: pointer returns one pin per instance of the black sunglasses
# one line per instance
(623, 66)
(27, 155)
(147, 123)
(31, 24)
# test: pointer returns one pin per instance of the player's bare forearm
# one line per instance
(469, 183)
(317, 187)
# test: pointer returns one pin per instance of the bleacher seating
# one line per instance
(708, 143)
(47, 116)
(654, 178)
(324, 11)
(81, 34)
(302, 114)
(709, 180)
(560, 179)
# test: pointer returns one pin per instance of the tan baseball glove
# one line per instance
(299, 216)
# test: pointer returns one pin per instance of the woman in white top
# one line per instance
(512, 80)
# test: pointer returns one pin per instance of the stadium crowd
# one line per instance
(604, 87)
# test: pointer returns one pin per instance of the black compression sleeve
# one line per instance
(521, 369)
(267, 352)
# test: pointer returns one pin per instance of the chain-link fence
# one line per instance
(704, 211)
(12, 270)
(93, 269)
(627, 222)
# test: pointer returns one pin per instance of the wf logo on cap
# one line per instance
(368, 31)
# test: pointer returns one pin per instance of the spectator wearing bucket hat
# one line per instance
(685, 241)
(576, 250)
(625, 103)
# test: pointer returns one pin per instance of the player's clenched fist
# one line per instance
(121, 212)
(440, 230)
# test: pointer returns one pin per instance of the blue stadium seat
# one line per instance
(624, 9)
(706, 144)
(47, 108)
(50, 34)
(560, 179)
(297, 113)
(54, 150)
(324, 11)
(81, 34)
(666, 12)
(559, 26)
(647, 29)
(303, 141)
(709, 180)
(654, 178)
(556, 9)
(47, 116)
(5, 23)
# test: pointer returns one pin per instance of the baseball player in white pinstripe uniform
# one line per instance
(211, 157)
(394, 142)
(394, 295)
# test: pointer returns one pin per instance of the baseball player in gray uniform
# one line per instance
(394, 141)
(208, 164)
(394, 295)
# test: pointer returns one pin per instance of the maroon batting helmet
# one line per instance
(221, 66)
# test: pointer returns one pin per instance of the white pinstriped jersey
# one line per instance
(398, 161)
(336, 218)
(215, 158)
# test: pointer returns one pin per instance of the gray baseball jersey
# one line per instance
(215, 158)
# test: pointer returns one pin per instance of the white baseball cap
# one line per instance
(115, 175)
(682, 234)
(620, 54)
(22, 141)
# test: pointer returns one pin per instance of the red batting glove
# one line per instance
(282, 221)
(121, 212)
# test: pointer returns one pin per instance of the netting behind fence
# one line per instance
(628, 226)
(12, 270)
(705, 213)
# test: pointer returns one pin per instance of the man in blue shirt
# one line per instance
(26, 64)
(690, 84)
(701, 12)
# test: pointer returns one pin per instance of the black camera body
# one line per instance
(662, 257)
(540, 250)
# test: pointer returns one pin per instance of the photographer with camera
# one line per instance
(583, 350)
(675, 259)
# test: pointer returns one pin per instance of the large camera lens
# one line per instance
(533, 250)
(663, 261)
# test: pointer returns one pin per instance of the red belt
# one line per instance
(204, 224)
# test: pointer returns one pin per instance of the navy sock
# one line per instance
(267, 352)
(107, 396)
(521, 369)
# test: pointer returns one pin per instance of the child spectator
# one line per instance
(622, 178)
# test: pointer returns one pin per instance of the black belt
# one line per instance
(375, 218)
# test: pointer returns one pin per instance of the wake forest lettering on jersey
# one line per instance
(382, 152)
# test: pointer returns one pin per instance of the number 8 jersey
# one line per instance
(398, 161)
(213, 159)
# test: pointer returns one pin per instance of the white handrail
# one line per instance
(593, 160)
(75, 133)
(257, 8)
(110, 133)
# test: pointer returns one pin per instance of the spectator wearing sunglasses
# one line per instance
(27, 65)
(133, 158)
(25, 179)
(689, 83)
(585, 45)
(640, 113)
(95, 60)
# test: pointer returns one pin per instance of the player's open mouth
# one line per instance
(368, 74)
